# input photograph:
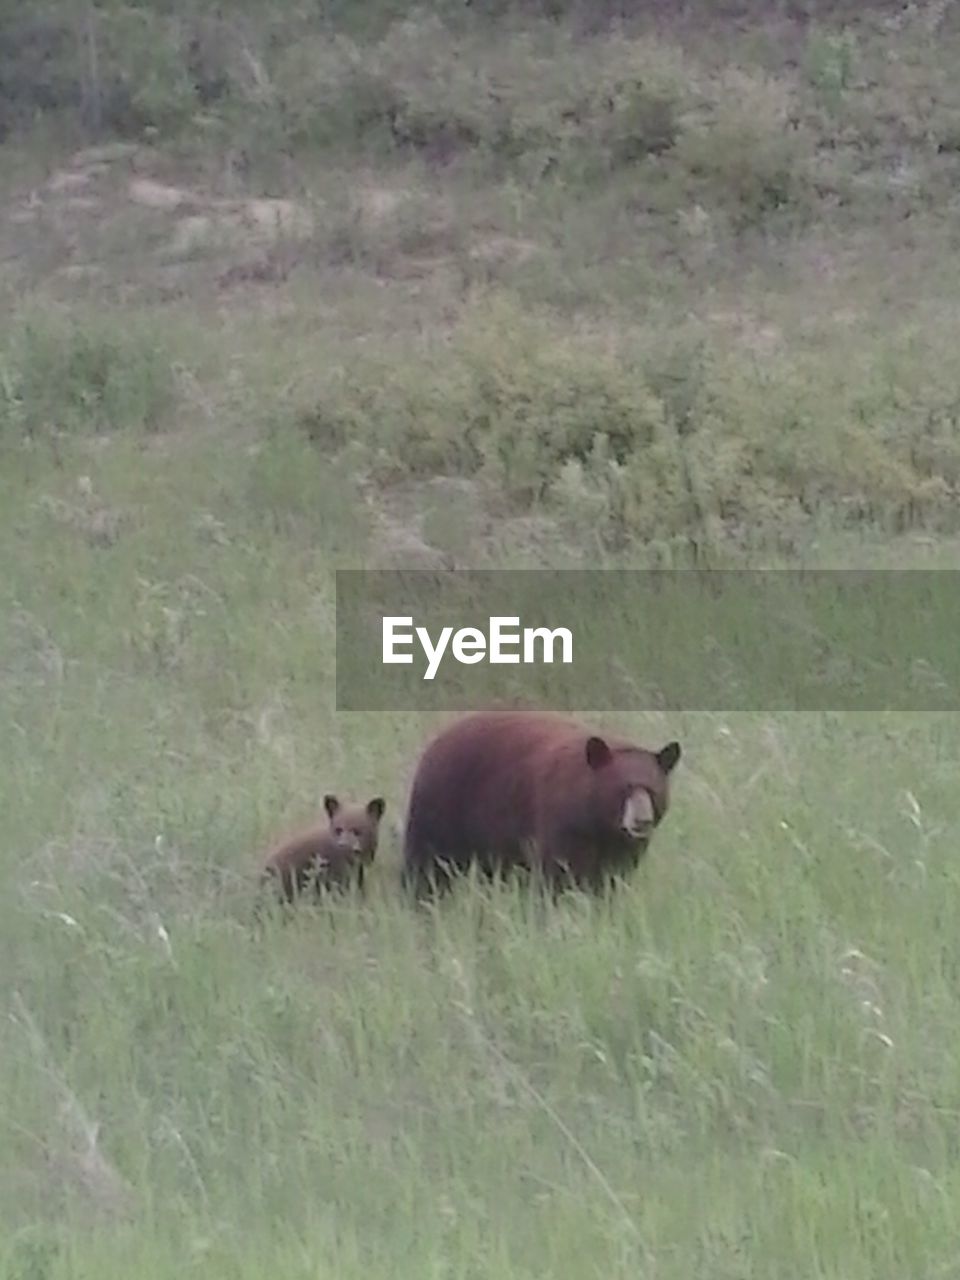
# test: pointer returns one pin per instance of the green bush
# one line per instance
(114, 68)
(149, 79)
(746, 152)
(546, 106)
(610, 100)
(83, 375)
(328, 94)
(670, 441)
(537, 418)
(540, 105)
(38, 66)
(829, 62)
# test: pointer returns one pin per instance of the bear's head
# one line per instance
(355, 828)
(630, 787)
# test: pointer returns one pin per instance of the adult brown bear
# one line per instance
(514, 788)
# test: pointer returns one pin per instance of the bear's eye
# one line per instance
(338, 831)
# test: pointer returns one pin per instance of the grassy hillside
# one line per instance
(467, 285)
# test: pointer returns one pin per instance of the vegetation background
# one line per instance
(291, 287)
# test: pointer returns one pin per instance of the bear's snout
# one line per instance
(637, 820)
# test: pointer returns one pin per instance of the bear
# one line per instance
(327, 855)
(519, 789)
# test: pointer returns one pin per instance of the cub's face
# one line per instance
(632, 789)
(355, 828)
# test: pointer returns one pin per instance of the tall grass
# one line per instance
(743, 1062)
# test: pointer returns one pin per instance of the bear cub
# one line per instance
(327, 856)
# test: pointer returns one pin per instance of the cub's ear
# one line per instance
(331, 804)
(598, 753)
(668, 756)
(376, 807)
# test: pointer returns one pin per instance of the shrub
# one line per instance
(552, 107)
(328, 93)
(829, 62)
(148, 80)
(540, 104)
(38, 70)
(677, 440)
(537, 417)
(82, 375)
(121, 66)
(537, 99)
(747, 152)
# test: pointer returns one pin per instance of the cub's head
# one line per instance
(355, 827)
(631, 788)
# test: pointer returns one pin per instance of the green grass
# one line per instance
(557, 345)
(744, 1064)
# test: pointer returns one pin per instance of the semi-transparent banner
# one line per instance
(711, 640)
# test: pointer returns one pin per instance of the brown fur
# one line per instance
(328, 855)
(504, 789)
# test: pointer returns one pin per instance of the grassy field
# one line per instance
(525, 295)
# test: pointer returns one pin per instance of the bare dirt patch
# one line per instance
(158, 195)
(118, 184)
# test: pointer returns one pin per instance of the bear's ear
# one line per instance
(668, 756)
(376, 807)
(598, 753)
(331, 804)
